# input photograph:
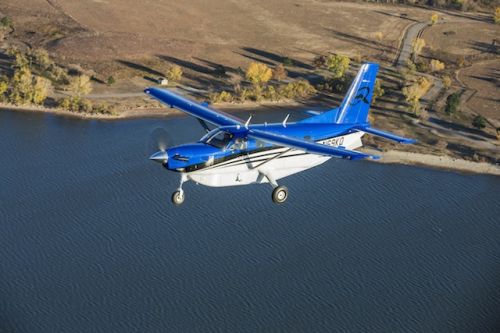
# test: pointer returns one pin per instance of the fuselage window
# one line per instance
(220, 140)
(239, 144)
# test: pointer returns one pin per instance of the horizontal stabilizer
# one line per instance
(310, 147)
(386, 135)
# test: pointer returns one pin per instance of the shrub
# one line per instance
(6, 22)
(452, 103)
(270, 93)
(111, 80)
(338, 65)
(446, 81)
(479, 122)
(174, 73)
(379, 36)
(279, 73)
(497, 15)
(300, 88)
(221, 97)
(287, 62)
(258, 73)
(319, 61)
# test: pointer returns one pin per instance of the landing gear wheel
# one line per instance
(280, 194)
(177, 198)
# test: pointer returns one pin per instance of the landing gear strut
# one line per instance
(178, 196)
(280, 193)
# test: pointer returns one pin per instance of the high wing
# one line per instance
(199, 111)
(310, 147)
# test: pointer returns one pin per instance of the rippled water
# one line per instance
(89, 241)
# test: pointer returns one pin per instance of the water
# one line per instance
(89, 241)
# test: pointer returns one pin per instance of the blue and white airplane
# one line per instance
(240, 153)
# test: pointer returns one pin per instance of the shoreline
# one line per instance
(389, 157)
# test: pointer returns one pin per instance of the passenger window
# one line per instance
(239, 144)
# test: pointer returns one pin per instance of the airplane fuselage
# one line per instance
(240, 160)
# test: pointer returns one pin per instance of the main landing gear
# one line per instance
(178, 196)
(280, 193)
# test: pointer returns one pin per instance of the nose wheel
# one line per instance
(178, 196)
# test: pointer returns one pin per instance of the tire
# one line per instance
(178, 198)
(280, 194)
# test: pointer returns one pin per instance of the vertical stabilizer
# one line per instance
(355, 106)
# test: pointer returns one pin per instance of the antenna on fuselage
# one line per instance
(248, 121)
(286, 118)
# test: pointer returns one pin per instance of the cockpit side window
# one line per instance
(220, 139)
(239, 144)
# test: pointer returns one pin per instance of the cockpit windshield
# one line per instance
(219, 139)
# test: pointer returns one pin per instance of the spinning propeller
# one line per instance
(159, 141)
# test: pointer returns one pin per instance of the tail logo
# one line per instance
(362, 96)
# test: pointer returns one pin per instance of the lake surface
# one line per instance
(89, 241)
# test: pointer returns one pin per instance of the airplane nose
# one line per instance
(160, 157)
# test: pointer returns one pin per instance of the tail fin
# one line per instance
(355, 106)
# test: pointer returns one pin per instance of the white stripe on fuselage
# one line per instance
(278, 163)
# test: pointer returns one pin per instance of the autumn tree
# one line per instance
(41, 89)
(21, 91)
(174, 73)
(497, 15)
(434, 18)
(4, 86)
(436, 65)
(414, 92)
(338, 65)
(417, 47)
(258, 73)
(279, 73)
(378, 91)
(81, 85)
(379, 36)
(446, 81)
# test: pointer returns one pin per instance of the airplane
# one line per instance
(237, 152)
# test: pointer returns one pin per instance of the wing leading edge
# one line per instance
(192, 108)
(310, 147)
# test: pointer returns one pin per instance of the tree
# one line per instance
(378, 91)
(414, 92)
(81, 85)
(174, 73)
(40, 57)
(434, 18)
(497, 15)
(417, 47)
(258, 73)
(479, 122)
(22, 87)
(436, 65)
(111, 80)
(338, 65)
(279, 73)
(41, 89)
(3, 88)
(379, 36)
(452, 103)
